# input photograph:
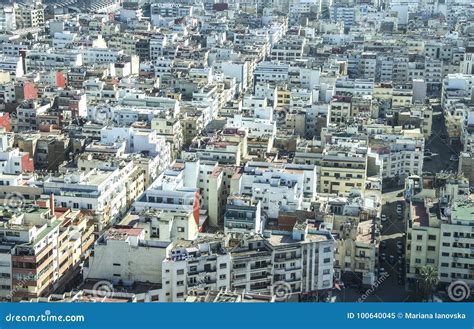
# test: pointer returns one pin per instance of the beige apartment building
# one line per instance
(423, 236)
(339, 173)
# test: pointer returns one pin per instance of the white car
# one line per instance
(383, 218)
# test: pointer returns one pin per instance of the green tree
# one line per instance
(427, 281)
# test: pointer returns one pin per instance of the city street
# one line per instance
(390, 287)
(439, 145)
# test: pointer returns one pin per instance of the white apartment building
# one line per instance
(255, 127)
(12, 161)
(301, 260)
(467, 64)
(456, 87)
(287, 50)
(456, 243)
(270, 72)
(50, 59)
(201, 263)
(344, 14)
(12, 65)
(99, 55)
(301, 6)
(284, 187)
(125, 254)
(7, 18)
(356, 87)
(243, 215)
(398, 155)
(169, 194)
(99, 191)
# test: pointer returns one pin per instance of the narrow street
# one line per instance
(439, 145)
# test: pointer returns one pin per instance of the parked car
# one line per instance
(383, 217)
(383, 257)
(383, 244)
(399, 244)
(391, 259)
(454, 158)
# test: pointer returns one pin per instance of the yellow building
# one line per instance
(341, 173)
(423, 235)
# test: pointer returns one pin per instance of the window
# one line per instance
(223, 266)
(431, 237)
(419, 237)
(180, 229)
(222, 277)
(116, 264)
(179, 272)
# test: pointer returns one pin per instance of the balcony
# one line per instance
(260, 267)
(239, 269)
(240, 279)
(285, 259)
